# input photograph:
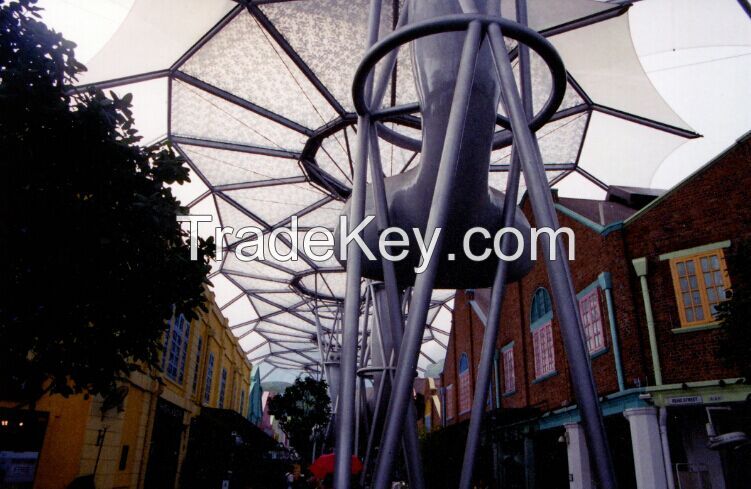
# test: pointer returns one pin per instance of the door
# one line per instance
(164, 452)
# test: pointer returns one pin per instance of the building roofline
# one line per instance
(598, 228)
(603, 230)
(742, 139)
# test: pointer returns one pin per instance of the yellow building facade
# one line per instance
(138, 437)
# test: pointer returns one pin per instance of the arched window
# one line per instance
(463, 363)
(465, 396)
(541, 325)
(542, 307)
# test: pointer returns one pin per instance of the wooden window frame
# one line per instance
(509, 375)
(709, 318)
(540, 351)
(592, 295)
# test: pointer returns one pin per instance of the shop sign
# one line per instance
(685, 400)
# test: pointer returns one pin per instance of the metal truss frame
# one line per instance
(362, 422)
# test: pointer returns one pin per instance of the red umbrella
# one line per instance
(325, 465)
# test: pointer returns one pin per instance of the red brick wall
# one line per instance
(469, 342)
(512, 329)
(595, 255)
(713, 206)
(448, 377)
(696, 213)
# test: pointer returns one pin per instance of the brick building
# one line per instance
(650, 267)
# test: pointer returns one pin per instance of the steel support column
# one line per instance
(490, 334)
(346, 408)
(360, 385)
(403, 383)
(492, 324)
(379, 385)
(559, 274)
(410, 442)
(345, 414)
(492, 327)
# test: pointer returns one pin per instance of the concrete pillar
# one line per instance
(645, 440)
(580, 474)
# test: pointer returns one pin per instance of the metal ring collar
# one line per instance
(460, 22)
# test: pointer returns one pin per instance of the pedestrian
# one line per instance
(295, 479)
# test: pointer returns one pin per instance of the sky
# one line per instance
(697, 54)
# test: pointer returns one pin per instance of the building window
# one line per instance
(542, 333)
(542, 307)
(465, 396)
(165, 346)
(222, 385)
(184, 349)
(235, 387)
(700, 282)
(591, 317)
(450, 402)
(177, 349)
(209, 379)
(542, 338)
(509, 377)
(197, 364)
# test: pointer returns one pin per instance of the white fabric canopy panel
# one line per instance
(603, 61)
(154, 35)
(276, 83)
(259, 103)
(633, 154)
(724, 24)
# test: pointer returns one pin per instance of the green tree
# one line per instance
(303, 411)
(735, 313)
(93, 260)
